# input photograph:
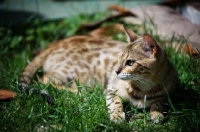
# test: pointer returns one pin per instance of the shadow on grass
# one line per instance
(14, 17)
(185, 112)
(189, 97)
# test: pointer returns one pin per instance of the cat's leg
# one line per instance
(53, 79)
(115, 107)
(155, 115)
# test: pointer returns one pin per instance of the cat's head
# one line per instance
(139, 58)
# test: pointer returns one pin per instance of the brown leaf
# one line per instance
(118, 8)
(189, 50)
(92, 26)
(107, 31)
(5, 94)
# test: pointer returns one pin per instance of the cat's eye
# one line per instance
(129, 62)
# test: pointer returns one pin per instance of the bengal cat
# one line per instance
(138, 71)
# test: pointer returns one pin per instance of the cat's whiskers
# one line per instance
(151, 72)
(146, 81)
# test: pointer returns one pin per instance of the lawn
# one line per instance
(86, 110)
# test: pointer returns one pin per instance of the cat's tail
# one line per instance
(28, 73)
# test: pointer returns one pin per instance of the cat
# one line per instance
(138, 71)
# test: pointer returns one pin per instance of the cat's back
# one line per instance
(82, 57)
(80, 49)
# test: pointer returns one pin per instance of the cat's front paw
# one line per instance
(117, 117)
(156, 117)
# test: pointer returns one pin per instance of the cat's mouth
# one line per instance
(125, 76)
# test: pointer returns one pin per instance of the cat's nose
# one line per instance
(117, 72)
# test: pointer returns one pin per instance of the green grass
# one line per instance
(84, 111)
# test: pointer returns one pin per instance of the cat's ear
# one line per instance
(149, 44)
(130, 35)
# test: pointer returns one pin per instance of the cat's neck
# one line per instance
(143, 85)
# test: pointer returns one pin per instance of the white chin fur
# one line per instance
(124, 76)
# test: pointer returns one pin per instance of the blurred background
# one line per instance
(13, 11)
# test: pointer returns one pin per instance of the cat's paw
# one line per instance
(117, 117)
(156, 117)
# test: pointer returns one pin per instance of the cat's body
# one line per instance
(144, 76)
(80, 57)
